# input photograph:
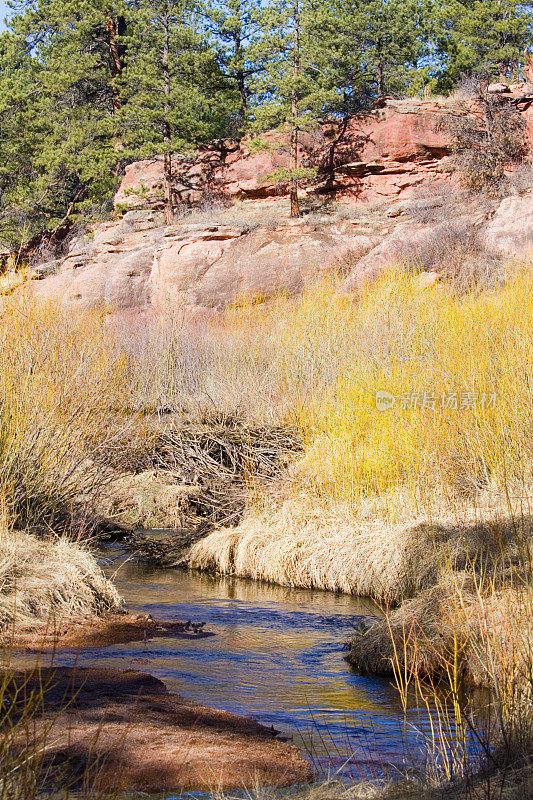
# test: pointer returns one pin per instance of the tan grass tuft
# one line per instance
(329, 547)
(50, 581)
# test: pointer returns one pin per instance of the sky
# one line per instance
(3, 12)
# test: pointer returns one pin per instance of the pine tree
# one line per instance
(174, 90)
(235, 26)
(20, 138)
(482, 36)
(66, 69)
(285, 87)
(369, 48)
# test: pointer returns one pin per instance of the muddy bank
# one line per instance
(99, 632)
(138, 736)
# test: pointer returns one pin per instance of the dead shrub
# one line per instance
(345, 264)
(456, 251)
(487, 140)
(433, 205)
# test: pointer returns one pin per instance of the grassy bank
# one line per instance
(49, 582)
(442, 472)
(378, 445)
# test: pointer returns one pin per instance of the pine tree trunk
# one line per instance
(240, 75)
(295, 208)
(169, 200)
(380, 83)
(243, 108)
(116, 69)
(167, 133)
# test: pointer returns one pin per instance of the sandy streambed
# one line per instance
(126, 731)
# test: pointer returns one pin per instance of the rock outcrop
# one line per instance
(388, 173)
(194, 266)
(364, 158)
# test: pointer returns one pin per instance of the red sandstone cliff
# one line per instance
(373, 157)
(387, 169)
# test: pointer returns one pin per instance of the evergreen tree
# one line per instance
(174, 89)
(285, 88)
(235, 26)
(62, 61)
(482, 35)
(369, 48)
(20, 137)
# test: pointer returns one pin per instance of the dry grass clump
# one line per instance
(333, 789)
(456, 251)
(299, 544)
(471, 628)
(306, 547)
(49, 582)
(417, 636)
(63, 398)
(150, 499)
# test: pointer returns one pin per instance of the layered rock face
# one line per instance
(365, 158)
(387, 172)
(193, 266)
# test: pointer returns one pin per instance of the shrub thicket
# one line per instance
(487, 141)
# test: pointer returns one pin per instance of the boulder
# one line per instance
(510, 231)
(196, 266)
(498, 88)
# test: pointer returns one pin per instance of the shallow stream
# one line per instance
(278, 656)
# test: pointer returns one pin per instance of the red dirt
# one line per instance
(137, 736)
(97, 632)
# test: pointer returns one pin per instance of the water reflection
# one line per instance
(277, 656)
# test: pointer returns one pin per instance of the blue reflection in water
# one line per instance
(277, 656)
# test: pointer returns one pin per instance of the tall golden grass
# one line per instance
(63, 396)
(453, 449)
(320, 360)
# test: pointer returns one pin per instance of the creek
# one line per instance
(277, 655)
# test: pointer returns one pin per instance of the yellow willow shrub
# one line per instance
(65, 362)
(424, 390)
(63, 393)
